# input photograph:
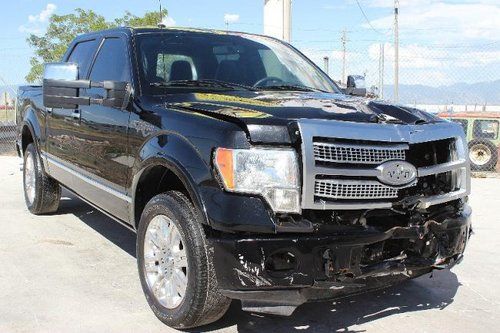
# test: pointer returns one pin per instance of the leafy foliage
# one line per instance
(62, 29)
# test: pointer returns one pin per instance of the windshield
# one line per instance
(183, 60)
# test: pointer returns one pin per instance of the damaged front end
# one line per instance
(380, 203)
(275, 274)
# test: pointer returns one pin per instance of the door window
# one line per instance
(82, 55)
(111, 63)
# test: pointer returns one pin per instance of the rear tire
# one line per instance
(483, 155)
(197, 301)
(41, 192)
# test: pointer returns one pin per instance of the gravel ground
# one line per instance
(76, 271)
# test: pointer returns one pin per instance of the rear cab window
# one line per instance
(165, 62)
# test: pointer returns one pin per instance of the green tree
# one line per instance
(62, 29)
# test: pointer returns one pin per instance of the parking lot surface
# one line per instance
(75, 272)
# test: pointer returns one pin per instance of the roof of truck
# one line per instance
(134, 31)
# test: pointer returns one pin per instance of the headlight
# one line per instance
(271, 173)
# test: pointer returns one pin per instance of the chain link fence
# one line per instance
(7, 131)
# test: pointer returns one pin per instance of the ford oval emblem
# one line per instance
(397, 173)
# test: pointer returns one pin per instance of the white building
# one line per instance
(278, 19)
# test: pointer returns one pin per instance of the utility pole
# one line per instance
(343, 39)
(326, 64)
(381, 70)
(396, 51)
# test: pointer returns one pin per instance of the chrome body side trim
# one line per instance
(114, 218)
(52, 162)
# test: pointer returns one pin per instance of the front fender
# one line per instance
(221, 210)
(165, 150)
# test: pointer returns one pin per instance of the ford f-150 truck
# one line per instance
(246, 172)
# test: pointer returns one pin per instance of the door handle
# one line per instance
(76, 115)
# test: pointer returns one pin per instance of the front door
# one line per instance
(104, 151)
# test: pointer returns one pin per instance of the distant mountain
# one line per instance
(460, 93)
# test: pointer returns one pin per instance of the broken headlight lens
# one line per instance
(271, 173)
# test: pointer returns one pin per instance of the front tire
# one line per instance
(41, 192)
(175, 264)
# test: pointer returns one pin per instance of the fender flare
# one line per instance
(165, 157)
(30, 121)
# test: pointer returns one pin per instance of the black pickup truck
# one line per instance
(245, 171)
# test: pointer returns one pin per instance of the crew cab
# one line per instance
(246, 172)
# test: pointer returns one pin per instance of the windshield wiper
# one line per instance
(290, 87)
(205, 83)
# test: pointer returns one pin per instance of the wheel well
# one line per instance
(155, 180)
(27, 138)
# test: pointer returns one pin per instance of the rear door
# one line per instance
(64, 130)
(104, 157)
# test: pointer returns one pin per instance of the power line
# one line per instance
(367, 20)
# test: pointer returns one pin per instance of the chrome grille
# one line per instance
(352, 189)
(353, 153)
(342, 173)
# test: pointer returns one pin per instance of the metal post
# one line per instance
(381, 71)
(396, 51)
(326, 64)
(6, 105)
(343, 39)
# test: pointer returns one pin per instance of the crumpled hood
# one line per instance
(263, 107)
(258, 111)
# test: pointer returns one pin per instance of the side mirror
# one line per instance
(356, 85)
(61, 89)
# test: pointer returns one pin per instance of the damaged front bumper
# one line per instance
(277, 274)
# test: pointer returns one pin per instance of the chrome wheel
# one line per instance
(165, 263)
(480, 154)
(29, 178)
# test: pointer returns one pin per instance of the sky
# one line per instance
(442, 42)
